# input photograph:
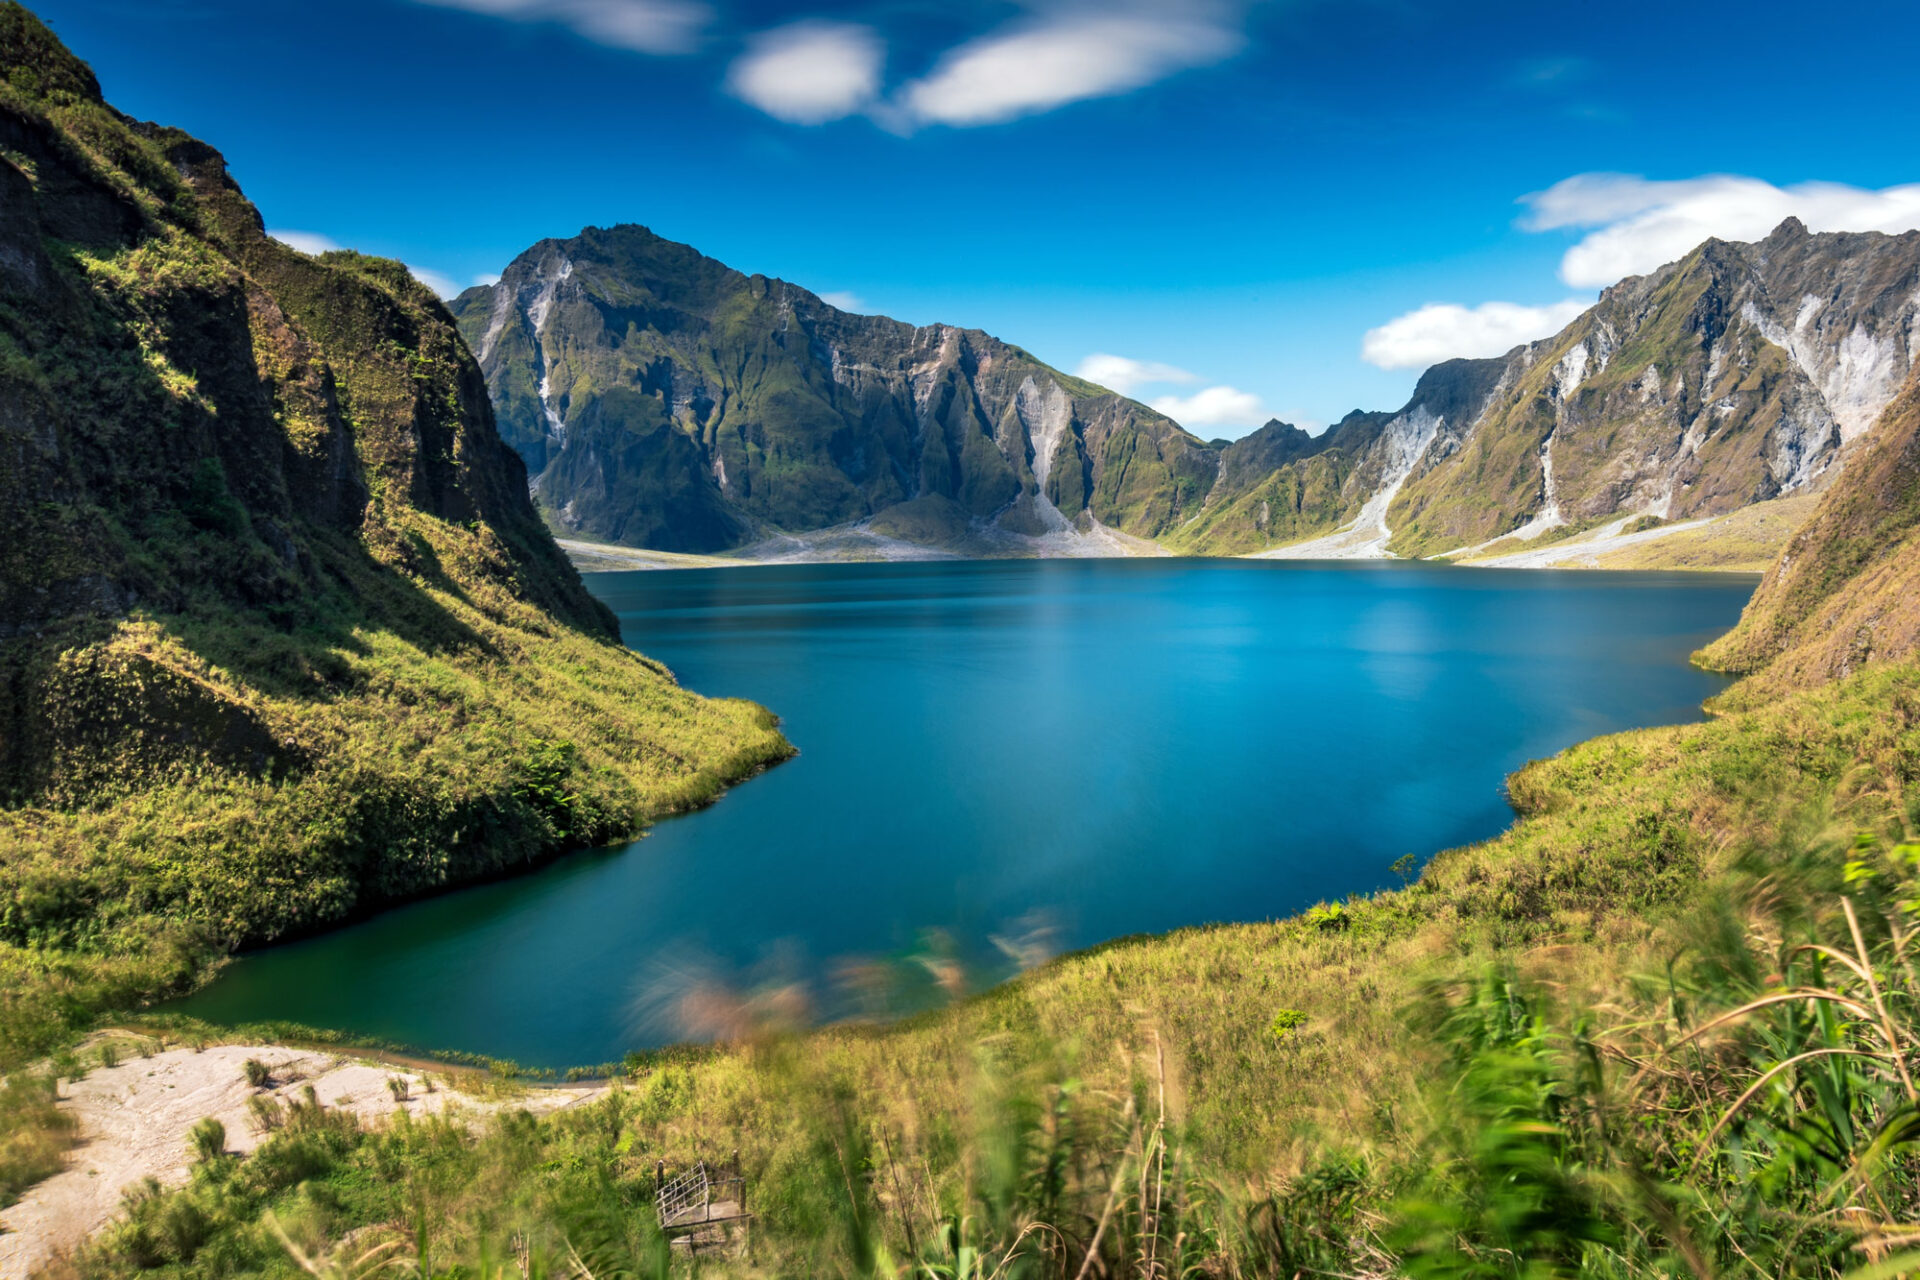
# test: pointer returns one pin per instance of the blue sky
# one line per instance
(1249, 207)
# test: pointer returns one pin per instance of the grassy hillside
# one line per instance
(283, 639)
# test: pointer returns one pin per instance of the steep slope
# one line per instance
(281, 636)
(664, 400)
(1742, 373)
(1844, 594)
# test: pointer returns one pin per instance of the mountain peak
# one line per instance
(1791, 229)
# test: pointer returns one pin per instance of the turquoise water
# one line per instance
(1055, 751)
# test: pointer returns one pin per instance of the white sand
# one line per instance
(135, 1117)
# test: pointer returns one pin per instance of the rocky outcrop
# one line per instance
(663, 400)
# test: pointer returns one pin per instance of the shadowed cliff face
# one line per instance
(168, 372)
(1741, 373)
(664, 400)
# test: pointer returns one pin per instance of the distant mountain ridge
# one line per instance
(664, 400)
(1741, 373)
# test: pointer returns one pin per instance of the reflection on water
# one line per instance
(1126, 746)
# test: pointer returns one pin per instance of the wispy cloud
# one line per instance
(1444, 331)
(809, 72)
(646, 26)
(844, 301)
(1635, 225)
(1118, 373)
(1214, 407)
(1069, 53)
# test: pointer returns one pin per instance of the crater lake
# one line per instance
(1000, 759)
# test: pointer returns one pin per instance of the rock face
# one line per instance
(663, 400)
(1741, 373)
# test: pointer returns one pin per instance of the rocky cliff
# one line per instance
(664, 400)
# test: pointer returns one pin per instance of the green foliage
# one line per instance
(546, 774)
(257, 1073)
(1286, 1022)
(1329, 917)
(278, 645)
(208, 1139)
(209, 505)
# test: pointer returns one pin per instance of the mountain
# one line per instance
(281, 634)
(663, 400)
(1739, 374)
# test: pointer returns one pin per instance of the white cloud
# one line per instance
(647, 26)
(844, 301)
(1127, 376)
(809, 72)
(1642, 225)
(487, 278)
(306, 241)
(1214, 407)
(1067, 54)
(1442, 331)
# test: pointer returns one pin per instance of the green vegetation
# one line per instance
(1492, 1059)
(1841, 595)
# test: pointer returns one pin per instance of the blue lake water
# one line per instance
(1057, 751)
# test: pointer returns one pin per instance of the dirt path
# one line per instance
(135, 1117)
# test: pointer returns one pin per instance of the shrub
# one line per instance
(1330, 917)
(257, 1072)
(268, 1114)
(208, 1140)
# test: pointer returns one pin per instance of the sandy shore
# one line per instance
(135, 1117)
